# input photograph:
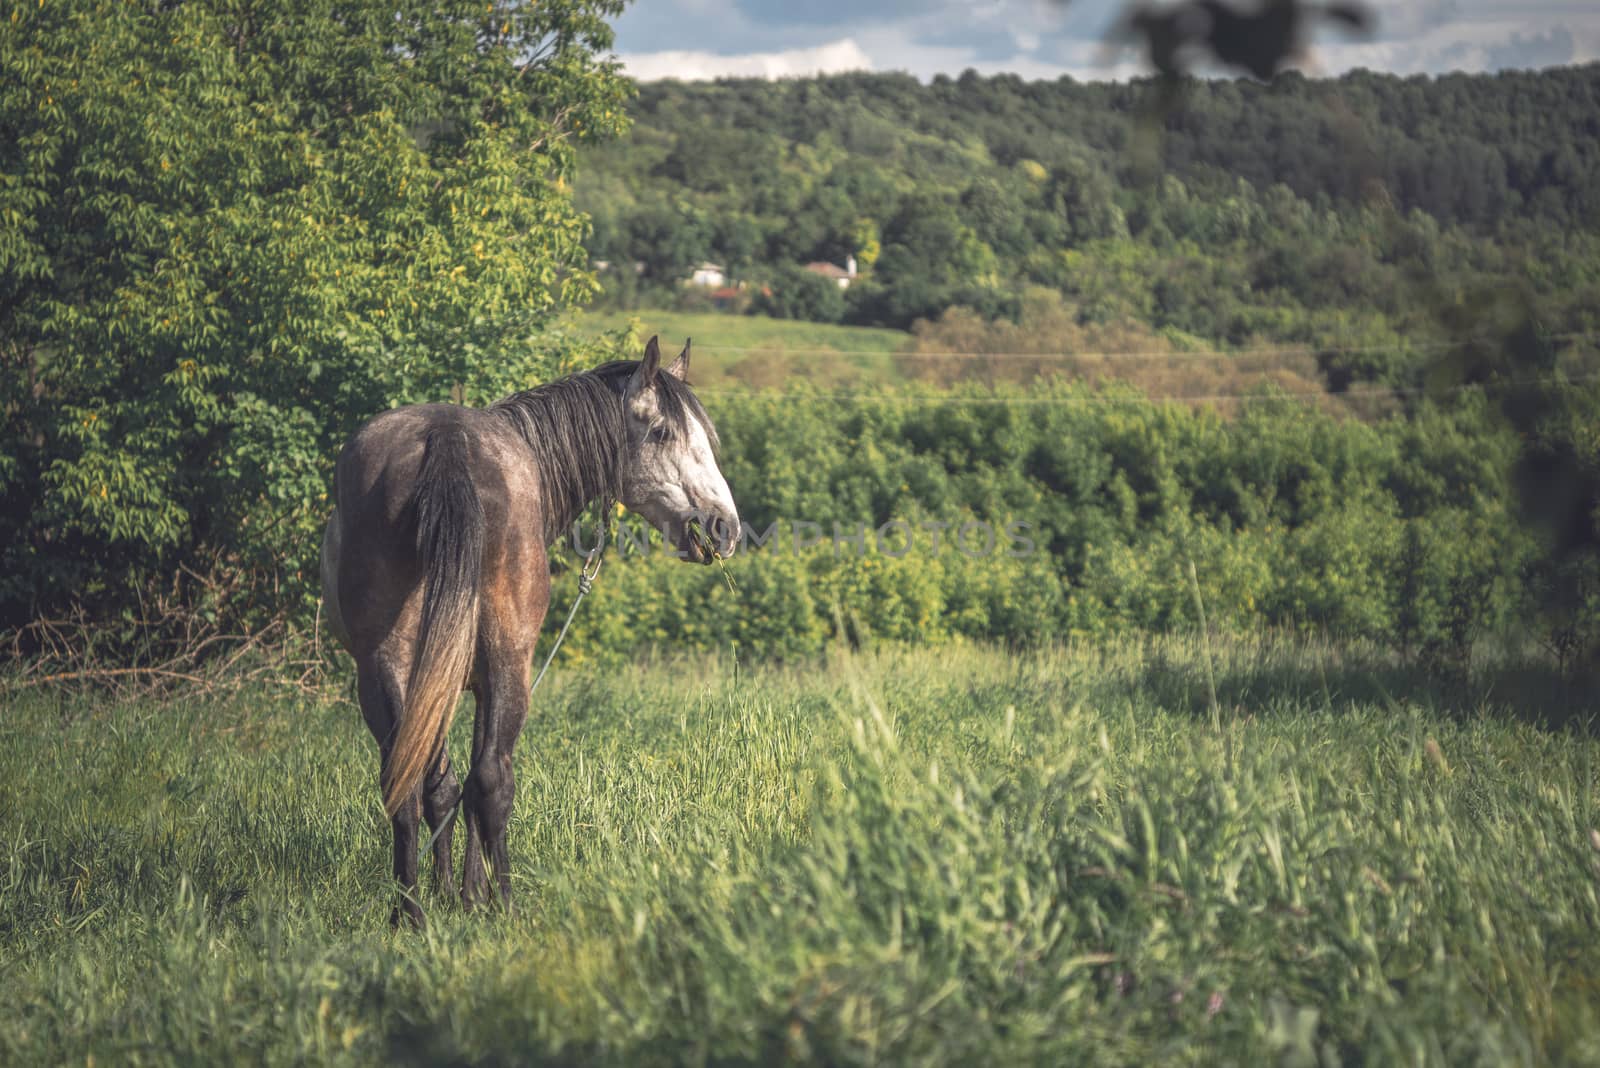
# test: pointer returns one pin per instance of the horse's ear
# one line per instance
(680, 366)
(645, 377)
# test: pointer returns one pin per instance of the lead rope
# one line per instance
(586, 577)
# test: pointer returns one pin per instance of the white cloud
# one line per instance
(1046, 38)
(1471, 45)
(689, 66)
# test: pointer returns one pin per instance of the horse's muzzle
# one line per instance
(707, 538)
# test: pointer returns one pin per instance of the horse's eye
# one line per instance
(657, 434)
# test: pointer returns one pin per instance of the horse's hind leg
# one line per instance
(491, 784)
(440, 795)
(381, 702)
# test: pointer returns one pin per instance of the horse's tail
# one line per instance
(450, 545)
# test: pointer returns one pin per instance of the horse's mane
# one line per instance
(574, 429)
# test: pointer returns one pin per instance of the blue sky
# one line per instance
(1045, 39)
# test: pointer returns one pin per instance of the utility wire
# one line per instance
(1103, 398)
(1187, 354)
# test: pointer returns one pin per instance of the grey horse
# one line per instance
(436, 578)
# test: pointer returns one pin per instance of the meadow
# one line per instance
(755, 351)
(1133, 852)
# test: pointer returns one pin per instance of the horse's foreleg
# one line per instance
(491, 784)
(381, 703)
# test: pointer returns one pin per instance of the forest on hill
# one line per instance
(1372, 219)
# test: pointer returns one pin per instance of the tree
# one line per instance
(796, 293)
(231, 234)
(865, 243)
(670, 239)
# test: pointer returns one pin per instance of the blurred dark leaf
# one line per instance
(1260, 39)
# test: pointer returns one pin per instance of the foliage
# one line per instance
(948, 858)
(1346, 215)
(1557, 477)
(229, 238)
(793, 292)
(1407, 531)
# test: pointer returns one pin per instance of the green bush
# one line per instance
(796, 293)
(1403, 532)
(229, 240)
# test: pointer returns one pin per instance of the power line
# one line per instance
(1103, 398)
(1150, 355)
(1186, 354)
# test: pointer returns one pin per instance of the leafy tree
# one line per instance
(997, 211)
(796, 293)
(865, 243)
(670, 239)
(230, 233)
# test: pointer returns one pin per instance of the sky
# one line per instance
(696, 39)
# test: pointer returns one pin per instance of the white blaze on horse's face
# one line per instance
(670, 475)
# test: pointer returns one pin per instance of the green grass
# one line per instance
(946, 857)
(753, 350)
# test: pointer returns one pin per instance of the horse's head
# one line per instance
(669, 473)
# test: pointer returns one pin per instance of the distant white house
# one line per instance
(707, 274)
(842, 275)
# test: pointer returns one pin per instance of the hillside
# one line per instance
(1372, 221)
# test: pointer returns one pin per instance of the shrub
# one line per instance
(796, 293)
(231, 240)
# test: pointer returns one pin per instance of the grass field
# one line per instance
(955, 857)
(753, 350)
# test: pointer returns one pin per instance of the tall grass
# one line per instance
(947, 857)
